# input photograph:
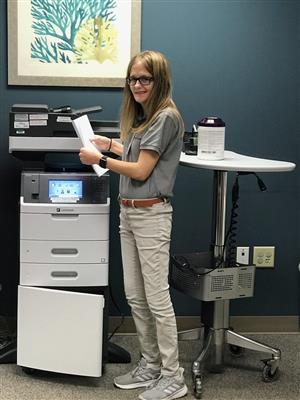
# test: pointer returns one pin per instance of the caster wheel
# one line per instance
(198, 387)
(28, 371)
(236, 351)
(267, 374)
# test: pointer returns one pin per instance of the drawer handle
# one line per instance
(62, 216)
(64, 274)
(64, 251)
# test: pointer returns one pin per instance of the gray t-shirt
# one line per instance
(165, 137)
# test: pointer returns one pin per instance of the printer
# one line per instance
(64, 266)
(40, 128)
(62, 320)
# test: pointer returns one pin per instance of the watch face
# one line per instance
(103, 161)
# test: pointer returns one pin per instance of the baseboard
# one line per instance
(278, 323)
(254, 324)
(258, 324)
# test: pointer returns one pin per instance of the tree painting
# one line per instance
(74, 31)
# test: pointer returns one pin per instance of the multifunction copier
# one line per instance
(64, 245)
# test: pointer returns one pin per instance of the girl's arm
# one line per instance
(103, 143)
(139, 170)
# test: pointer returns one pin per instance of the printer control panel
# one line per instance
(64, 188)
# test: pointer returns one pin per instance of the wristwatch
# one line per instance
(103, 162)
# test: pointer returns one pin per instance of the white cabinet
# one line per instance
(60, 331)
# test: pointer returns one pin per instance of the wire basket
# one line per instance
(194, 275)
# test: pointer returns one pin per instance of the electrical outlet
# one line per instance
(263, 256)
(242, 255)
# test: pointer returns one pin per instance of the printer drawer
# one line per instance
(64, 251)
(60, 331)
(38, 274)
(64, 226)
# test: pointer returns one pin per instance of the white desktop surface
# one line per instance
(238, 162)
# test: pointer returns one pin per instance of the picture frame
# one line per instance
(72, 42)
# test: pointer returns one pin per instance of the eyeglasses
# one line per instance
(143, 80)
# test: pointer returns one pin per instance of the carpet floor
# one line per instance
(241, 380)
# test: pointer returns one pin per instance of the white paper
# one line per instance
(85, 132)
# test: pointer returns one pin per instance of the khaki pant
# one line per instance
(145, 242)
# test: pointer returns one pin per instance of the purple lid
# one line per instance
(211, 122)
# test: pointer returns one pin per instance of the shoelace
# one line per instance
(139, 369)
(161, 382)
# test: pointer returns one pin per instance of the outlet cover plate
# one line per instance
(264, 256)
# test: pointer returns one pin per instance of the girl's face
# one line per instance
(141, 83)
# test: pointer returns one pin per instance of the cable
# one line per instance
(186, 266)
(120, 312)
(230, 237)
(231, 232)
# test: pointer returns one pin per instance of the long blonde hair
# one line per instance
(159, 99)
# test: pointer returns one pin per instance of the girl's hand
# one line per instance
(89, 156)
(101, 142)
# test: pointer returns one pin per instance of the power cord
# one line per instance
(120, 312)
(231, 232)
(184, 265)
(182, 262)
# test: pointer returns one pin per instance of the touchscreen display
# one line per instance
(65, 191)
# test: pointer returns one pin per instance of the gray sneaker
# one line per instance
(166, 388)
(141, 376)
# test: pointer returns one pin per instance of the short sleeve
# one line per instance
(160, 133)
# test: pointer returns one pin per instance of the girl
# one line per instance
(151, 142)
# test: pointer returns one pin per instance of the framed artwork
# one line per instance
(72, 42)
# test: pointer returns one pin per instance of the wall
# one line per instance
(238, 60)
(298, 145)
